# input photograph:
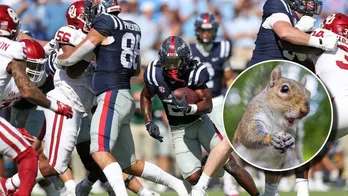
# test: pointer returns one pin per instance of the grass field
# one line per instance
(220, 193)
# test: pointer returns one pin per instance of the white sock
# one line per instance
(144, 191)
(113, 173)
(157, 175)
(203, 181)
(302, 187)
(270, 189)
(317, 176)
(70, 185)
(229, 185)
(13, 182)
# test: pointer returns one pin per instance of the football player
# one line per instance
(190, 125)
(216, 56)
(13, 57)
(27, 115)
(288, 20)
(116, 44)
(332, 68)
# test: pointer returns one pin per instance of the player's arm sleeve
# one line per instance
(271, 20)
(275, 11)
(106, 24)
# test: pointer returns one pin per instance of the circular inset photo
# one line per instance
(277, 115)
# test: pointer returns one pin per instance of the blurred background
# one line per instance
(316, 125)
(239, 22)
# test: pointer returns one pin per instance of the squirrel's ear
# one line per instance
(304, 81)
(275, 75)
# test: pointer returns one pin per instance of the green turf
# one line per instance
(220, 193)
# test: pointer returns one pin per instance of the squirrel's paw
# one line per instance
(282, 141)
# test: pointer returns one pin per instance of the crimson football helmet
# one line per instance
(35, 62)
(76, 17)
(175, 55)
(306, 7)
(206, 27)
(9, 22)
(337, 23)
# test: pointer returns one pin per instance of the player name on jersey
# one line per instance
(4, 46)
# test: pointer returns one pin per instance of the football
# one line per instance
(191, 95)
(77, 69)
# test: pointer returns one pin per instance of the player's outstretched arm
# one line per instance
(78, 69)
(26, 36)
(27, 89)
(146, 103)
(287, 32)
(30, 92)
(83, 50)
(146, 109)
(299, 49)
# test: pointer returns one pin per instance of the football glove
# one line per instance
(153, 130)
(181, 104)
(61, 108)
(306, 24)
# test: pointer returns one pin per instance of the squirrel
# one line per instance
(265, 135)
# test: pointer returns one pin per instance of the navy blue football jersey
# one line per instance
(214, 60)
(267, 47)
(163, 86)
(117, 61)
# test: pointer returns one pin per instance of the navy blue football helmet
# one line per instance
(206, 27)
(175, 55)
(306, 7)
(94, 8)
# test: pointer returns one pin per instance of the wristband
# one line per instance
(53, 106)
(193, 109)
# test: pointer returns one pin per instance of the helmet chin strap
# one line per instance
(173, 74)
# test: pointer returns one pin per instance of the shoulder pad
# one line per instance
(276, 6)
(69, 35)
(199, 75)
(150, 73)
(107, 22)
(225, 49)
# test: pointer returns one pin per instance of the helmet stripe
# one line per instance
(172, 46)
(207, 21)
